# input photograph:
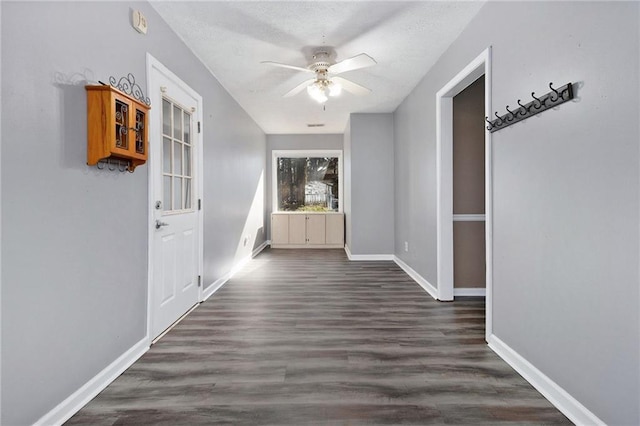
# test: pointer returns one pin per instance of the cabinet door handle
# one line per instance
(160, 224)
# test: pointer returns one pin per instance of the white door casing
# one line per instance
(481, 65)
(175, 188)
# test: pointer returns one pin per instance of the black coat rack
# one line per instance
(536, 106)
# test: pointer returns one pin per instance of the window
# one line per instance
(176, 157)
(307, 181)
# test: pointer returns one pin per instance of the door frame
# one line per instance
(480, 66)
(154, 66)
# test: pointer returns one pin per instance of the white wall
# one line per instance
(74, 240)
(566, 192)
(295, 142)
(371, 171)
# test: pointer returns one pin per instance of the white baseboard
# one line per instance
(471, 291)
(261, 247)
(366, 257)
(426, 285)
(67, 408)
(561, 399)
(217, 284)
(346, 250)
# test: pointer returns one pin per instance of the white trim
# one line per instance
(426, 285)
(370, 257)
(560, 398)
(67, 408)
(217, 284)
(469, 217)
(297, 153)
(346, 250)
(151, 65)
(470, 291)
(481, 65)
(261, 247)
(366, 257)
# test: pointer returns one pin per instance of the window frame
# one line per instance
(296, 153)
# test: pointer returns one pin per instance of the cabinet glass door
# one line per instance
(122, 124)
(140, 132)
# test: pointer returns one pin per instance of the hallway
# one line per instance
(308, 337)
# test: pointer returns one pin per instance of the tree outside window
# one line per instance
(307, 184)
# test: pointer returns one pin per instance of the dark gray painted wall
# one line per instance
(370, 219)
(565, 192)
(295, 142)
(74, 246)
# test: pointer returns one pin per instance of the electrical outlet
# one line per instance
(406, 246)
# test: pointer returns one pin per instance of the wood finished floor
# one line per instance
(307, 337)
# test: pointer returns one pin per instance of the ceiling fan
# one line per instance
(326, 83)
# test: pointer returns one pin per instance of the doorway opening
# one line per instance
(479, 68)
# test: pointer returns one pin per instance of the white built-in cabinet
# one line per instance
(307, 230)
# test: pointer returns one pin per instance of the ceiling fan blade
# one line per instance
(359, 61)
(293, 67)
(299, 88)
(351, 87)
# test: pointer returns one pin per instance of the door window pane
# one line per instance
(177, 157)
(166, 155)
(166, 117)
(187, 127)
(177, 193)
(187, 193)
(177, 122)
(187, 160)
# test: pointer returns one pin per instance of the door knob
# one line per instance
(160, 224)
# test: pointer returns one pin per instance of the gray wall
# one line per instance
(299, 142)
(74, 246)
(370, 219)
(565, 192)
(347, 183)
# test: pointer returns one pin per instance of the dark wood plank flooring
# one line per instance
(307, 337)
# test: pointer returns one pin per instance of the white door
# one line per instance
(175, 255)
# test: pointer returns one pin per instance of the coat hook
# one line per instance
(513, 116)
(554, 91)
(490, 126)
(499, 118)
(533, 95)
(524, 110)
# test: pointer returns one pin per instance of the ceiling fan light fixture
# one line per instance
(316, 91)
(334, 89)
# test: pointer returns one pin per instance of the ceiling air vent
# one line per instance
(315, 125)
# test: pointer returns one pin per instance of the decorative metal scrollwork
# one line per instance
(129, 86)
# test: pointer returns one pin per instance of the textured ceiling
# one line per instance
(233, 37)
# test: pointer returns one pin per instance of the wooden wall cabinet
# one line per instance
(307, 230)
(117, 127)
